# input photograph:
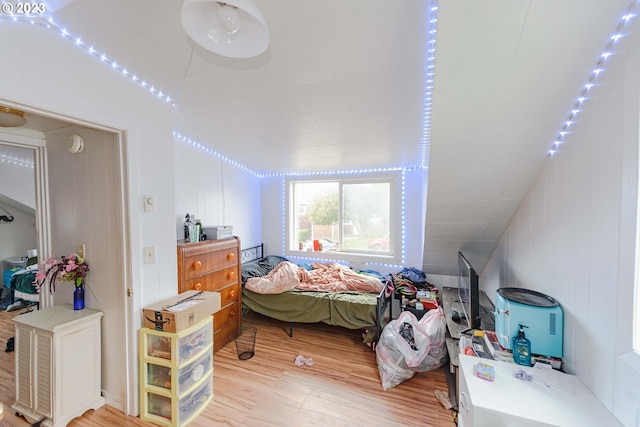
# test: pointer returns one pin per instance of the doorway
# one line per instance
(79, 200)
(18, 232)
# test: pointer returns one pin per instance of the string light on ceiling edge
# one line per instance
(430, 73)
(591, 82)
(212, 152)
(103, 57)
(16, 162)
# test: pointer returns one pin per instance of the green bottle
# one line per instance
(521, 348)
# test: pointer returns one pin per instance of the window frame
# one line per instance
(396, 219)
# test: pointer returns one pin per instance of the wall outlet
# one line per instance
(149, 254)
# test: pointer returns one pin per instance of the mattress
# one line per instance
(349, 310)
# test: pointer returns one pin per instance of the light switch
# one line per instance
(149, 254)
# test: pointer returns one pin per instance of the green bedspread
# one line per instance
(349, 310)
(24, 283)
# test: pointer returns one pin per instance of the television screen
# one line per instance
(468, 292)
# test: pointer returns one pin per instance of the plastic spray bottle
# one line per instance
(521, 348)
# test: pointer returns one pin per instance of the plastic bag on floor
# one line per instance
(435, 327)
(402, 347)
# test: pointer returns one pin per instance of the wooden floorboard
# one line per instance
(341, 388)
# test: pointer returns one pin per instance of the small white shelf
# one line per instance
(58, 364)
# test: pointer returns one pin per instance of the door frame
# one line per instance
(36, 140)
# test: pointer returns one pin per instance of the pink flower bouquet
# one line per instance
(69, 268)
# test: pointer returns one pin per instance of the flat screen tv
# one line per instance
(468, 292)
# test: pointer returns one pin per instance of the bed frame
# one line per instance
(383, 299)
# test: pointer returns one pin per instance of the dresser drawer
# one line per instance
(204, 263)
(224, 278)
(226, 316)
(213, 281)
(229, 294)
(226, 325)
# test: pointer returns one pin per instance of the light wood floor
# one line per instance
(341, 388)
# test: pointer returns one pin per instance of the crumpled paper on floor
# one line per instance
(301, 360)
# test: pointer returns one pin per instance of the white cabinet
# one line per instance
(58, 364)
(511, 402)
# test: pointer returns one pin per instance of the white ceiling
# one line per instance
(507, 75)
(342, 87)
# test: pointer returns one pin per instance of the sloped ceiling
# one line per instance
(507, 75)
(12, 203)
(342, 86)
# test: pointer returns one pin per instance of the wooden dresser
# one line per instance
(214, 265)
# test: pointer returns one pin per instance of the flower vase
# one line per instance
(78, 298)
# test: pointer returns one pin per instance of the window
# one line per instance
(344, 218)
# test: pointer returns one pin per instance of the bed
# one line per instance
(20, 282)
(349, 309)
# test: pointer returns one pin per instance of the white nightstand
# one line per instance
(58, 364)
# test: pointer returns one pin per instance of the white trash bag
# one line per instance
(408, 345)
(403, 345)
(435, 326)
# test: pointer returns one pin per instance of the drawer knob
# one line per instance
(232, 313)
(232, 293)
(231, 256)
(198, 286)
(231, 275)
(197, 265)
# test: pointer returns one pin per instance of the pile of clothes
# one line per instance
(409, 281)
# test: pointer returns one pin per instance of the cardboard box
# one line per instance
(177, 313)
(216, 232)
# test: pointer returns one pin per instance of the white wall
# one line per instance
(573, 237)
(216, 192)
(18, 183)
(49, 74)
(84, 209)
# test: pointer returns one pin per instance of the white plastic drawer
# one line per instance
(191, 345)
(194, 401)
(190, 374)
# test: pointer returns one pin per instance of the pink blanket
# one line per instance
(324, 277)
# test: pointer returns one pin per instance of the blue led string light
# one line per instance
(208, 150)
(16, 162)
(283, 214)
(403, 217)
(430, 72)
(591, 82)
(103, 57)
